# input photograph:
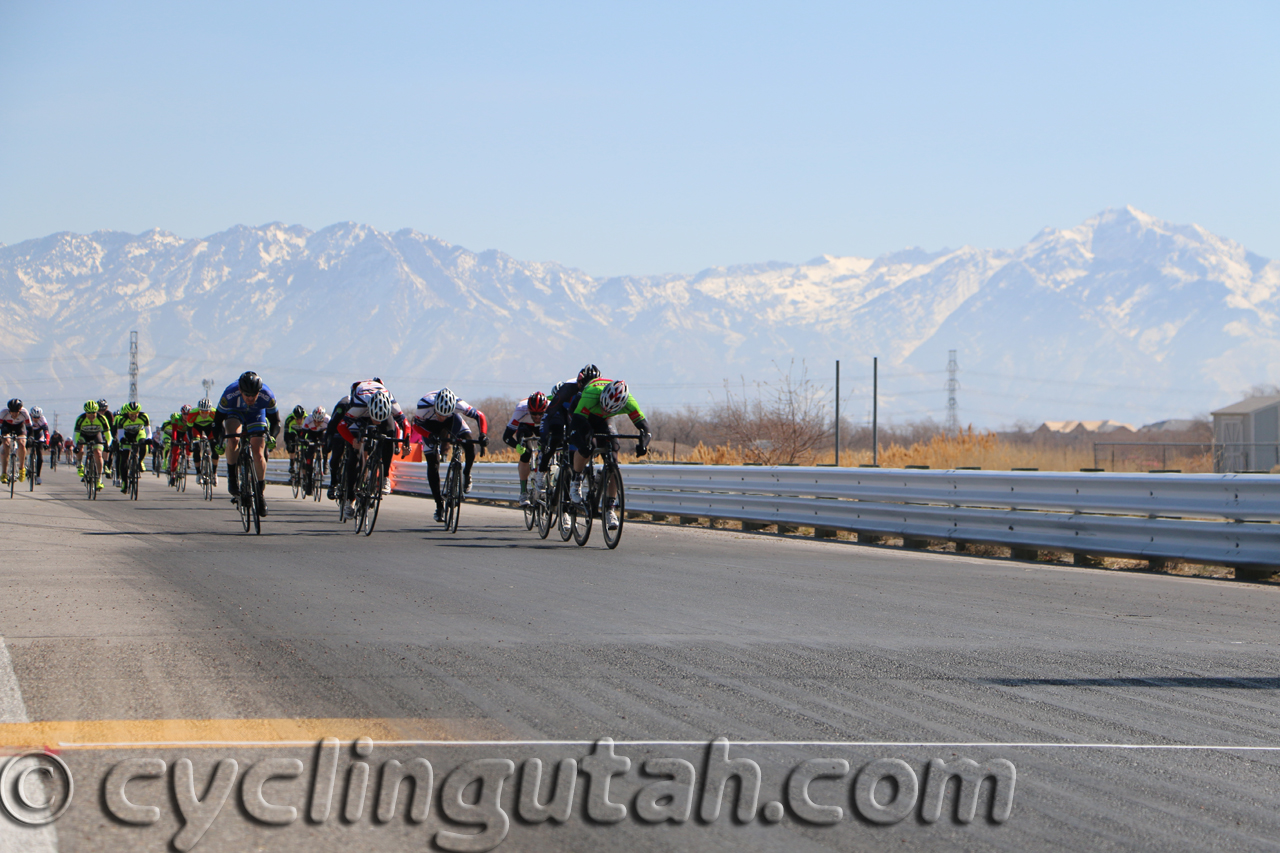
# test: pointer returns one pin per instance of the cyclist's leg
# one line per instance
(231, 428)
(22, 454)
(258, 447)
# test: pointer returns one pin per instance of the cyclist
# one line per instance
(335, 443)
(14, 421)
(525, 422)
(601, 400)
(178, 437)
(93, 429)
(372, 407)
(556, 420)
(131, 424)
(438, 420)
(291, 422)
(111, 425)
(55, 447)
(310, 437)
(200, 422)
(37, 439)
(247, 409)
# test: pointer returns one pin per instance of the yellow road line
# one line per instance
(126, 734)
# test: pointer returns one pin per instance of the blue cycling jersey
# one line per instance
(233, 404)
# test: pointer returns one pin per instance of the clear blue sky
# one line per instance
(641, 137)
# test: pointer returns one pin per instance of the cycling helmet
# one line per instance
(15, 404)
(446, 402)
(102, 405)
(614, 397)
(186, 409)
(537, 402)
(131, 408)
(319, 413)
(91, 407)
(555, 389)
(37, 412)
(588, 373)
(380, 406)
(205, 405)
(250, 383)
(299, 412)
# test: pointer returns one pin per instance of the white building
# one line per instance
(1247, 435)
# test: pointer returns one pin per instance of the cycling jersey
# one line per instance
(589, 403)
(263, 409)
(92, 428)
(522, 415)
(14, 423)
(128, 427)
(198, 421)
(425, 417)
(291, 424)
(38, 430)
(362, 393)
(313, 424)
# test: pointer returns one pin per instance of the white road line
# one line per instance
(13, 836)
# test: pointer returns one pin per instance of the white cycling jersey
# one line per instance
(522, 415)
(311, 422)
(22, 416)
(427, 408)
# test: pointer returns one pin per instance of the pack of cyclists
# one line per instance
(246, 419)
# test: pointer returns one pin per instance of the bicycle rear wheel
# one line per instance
(134, 476)
(530, 514)
(612, 476)
(91, 476)
(546, 510)
(13, 470)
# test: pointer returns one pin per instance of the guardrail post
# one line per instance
(1253, 573)
(824, 533)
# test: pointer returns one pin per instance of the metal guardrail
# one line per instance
(1226, 519)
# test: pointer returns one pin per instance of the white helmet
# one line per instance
(36, 411)
(446, 402)
(319, 413)
(613, 398)
(380, 406)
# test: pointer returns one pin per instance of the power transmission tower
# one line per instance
(208, 388)
(133, 367)
(953, 385)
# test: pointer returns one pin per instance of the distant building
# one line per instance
(1247, 435)
(1172, 425)
(1081, 427)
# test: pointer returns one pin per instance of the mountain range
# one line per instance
(1124, 316)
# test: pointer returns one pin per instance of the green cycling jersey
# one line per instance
(589, 403)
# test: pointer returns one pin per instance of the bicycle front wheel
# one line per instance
(453, 508)
(375, 497)
(612, 479)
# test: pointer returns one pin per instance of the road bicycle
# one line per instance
(178, 478)
(13, 465)
(338, 479)
(369, 479)
(157, 458)
(133, 471)
(533, 509)
(596, 488)
(91, 472)
(247, 497)
(53, 459)
(208, 468)
(454, 485)
(312, 461)
(295, 475)
(554, 495)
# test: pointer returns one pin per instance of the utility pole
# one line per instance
(208, 388)
(953, 385)
(837, 413)
(55, 422)
(875, 405)
(133, 367)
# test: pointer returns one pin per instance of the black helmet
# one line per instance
(102, 405)
(588, 373)
(15, 404)
(250, 383)
(299, 412)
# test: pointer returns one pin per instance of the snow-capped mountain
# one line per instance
(1124, 317)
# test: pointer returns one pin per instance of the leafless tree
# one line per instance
(783, 423)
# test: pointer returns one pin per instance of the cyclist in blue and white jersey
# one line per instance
(372, 406)
(14, 420)
(247, 409)
(525, 423)
(438, 420)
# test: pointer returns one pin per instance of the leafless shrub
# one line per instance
(783, 423)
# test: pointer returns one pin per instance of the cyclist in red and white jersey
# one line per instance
(438, 420)
(37, 440)
(14, 421)
(526, 420)
(373, 406)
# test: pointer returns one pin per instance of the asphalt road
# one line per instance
(1137, 712)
